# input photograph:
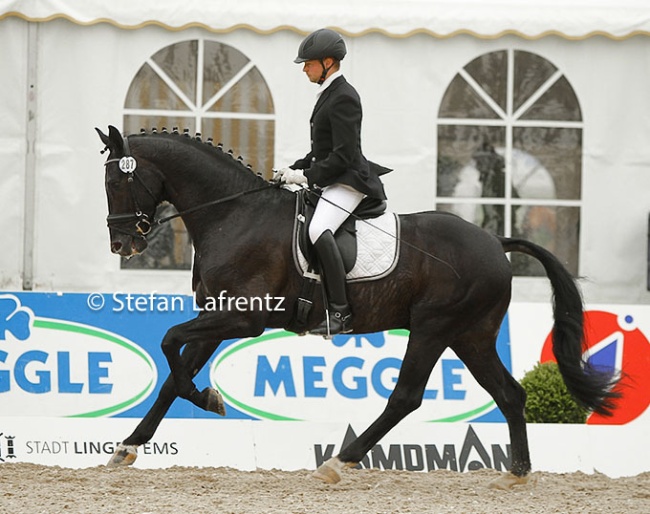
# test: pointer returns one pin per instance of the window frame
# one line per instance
(199, 111)
(510, 120)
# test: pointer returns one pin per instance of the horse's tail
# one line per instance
(592, 388)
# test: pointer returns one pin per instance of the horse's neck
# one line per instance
(194, 177)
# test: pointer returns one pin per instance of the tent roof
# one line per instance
(531, 19)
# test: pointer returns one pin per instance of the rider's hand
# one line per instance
(277, 174)
(291, 176)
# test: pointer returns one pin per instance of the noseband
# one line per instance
(143, 224)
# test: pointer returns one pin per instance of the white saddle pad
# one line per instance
(377, 249)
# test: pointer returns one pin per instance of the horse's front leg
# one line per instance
(194, 358)
(208, 326)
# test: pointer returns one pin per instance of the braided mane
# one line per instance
(207, 145)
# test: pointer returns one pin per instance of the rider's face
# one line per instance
(314, 69)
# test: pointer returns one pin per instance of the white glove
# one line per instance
(293, 176)
(277, 174)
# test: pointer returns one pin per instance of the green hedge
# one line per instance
(548, 400)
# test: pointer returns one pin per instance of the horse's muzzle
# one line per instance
(127, 246)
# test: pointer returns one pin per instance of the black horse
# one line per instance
(450, 288)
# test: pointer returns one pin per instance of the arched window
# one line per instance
(510, 153)
(207, 87)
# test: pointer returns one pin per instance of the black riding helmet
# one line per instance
(319, 45)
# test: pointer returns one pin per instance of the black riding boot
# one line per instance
(332, 271)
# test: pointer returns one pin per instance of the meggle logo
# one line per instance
(282, 376)
(51, 367)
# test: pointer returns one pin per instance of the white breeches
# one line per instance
(330, 216)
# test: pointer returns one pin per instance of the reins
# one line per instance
(268, 185)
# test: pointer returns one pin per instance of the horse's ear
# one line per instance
(115, 137)
(103, 137)
(113, 141)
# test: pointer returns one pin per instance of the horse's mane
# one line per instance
(206, 146)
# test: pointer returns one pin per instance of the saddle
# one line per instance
(345, 236)
(369, 249)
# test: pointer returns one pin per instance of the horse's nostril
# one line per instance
(116, 246)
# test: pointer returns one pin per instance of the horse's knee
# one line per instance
(171, 341)
(181, 375)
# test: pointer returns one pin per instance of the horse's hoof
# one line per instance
(507, 481)
(124, 455)
(330, 470)
(213, 401)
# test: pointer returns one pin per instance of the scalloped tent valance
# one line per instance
(489, 19)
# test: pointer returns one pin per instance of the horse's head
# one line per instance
(133, 190)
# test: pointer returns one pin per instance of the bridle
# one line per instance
(143, 224)
(128, 166)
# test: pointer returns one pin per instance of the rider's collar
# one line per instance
(328, 82)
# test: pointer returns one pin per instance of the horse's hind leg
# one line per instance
(486, 367)
(419, 360)
(194, 358)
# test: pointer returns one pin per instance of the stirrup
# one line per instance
(336, 322)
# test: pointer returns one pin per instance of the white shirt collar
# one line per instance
(328, 82)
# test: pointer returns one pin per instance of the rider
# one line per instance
(335, 166)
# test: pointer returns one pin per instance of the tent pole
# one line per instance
(30, 157)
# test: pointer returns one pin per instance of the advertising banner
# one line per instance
(78, 371)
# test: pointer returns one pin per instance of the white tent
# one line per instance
(573, 19)
(65, 67)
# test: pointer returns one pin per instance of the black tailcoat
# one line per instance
(336, 155)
